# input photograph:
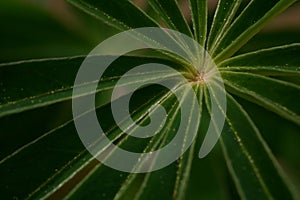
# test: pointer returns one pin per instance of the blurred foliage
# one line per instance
(43, 29)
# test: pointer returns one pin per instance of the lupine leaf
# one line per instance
(50, 162)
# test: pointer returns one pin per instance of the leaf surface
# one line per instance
(270, 93)
(252, 19)
(254, 169)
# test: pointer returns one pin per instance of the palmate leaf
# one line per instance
(59, 173)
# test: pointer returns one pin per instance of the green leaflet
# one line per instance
(171, 15)
(222, 19)
(253, 18)
(49, 85)
(199, 19)
(133, 183)
(17, 152)
(253, 155)
(69, 155)
(250, 161)
(140, 186)
(120, 14)
(185, 162)
(124, 15)
(270, 93)
(276, 61)
(53, 82)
